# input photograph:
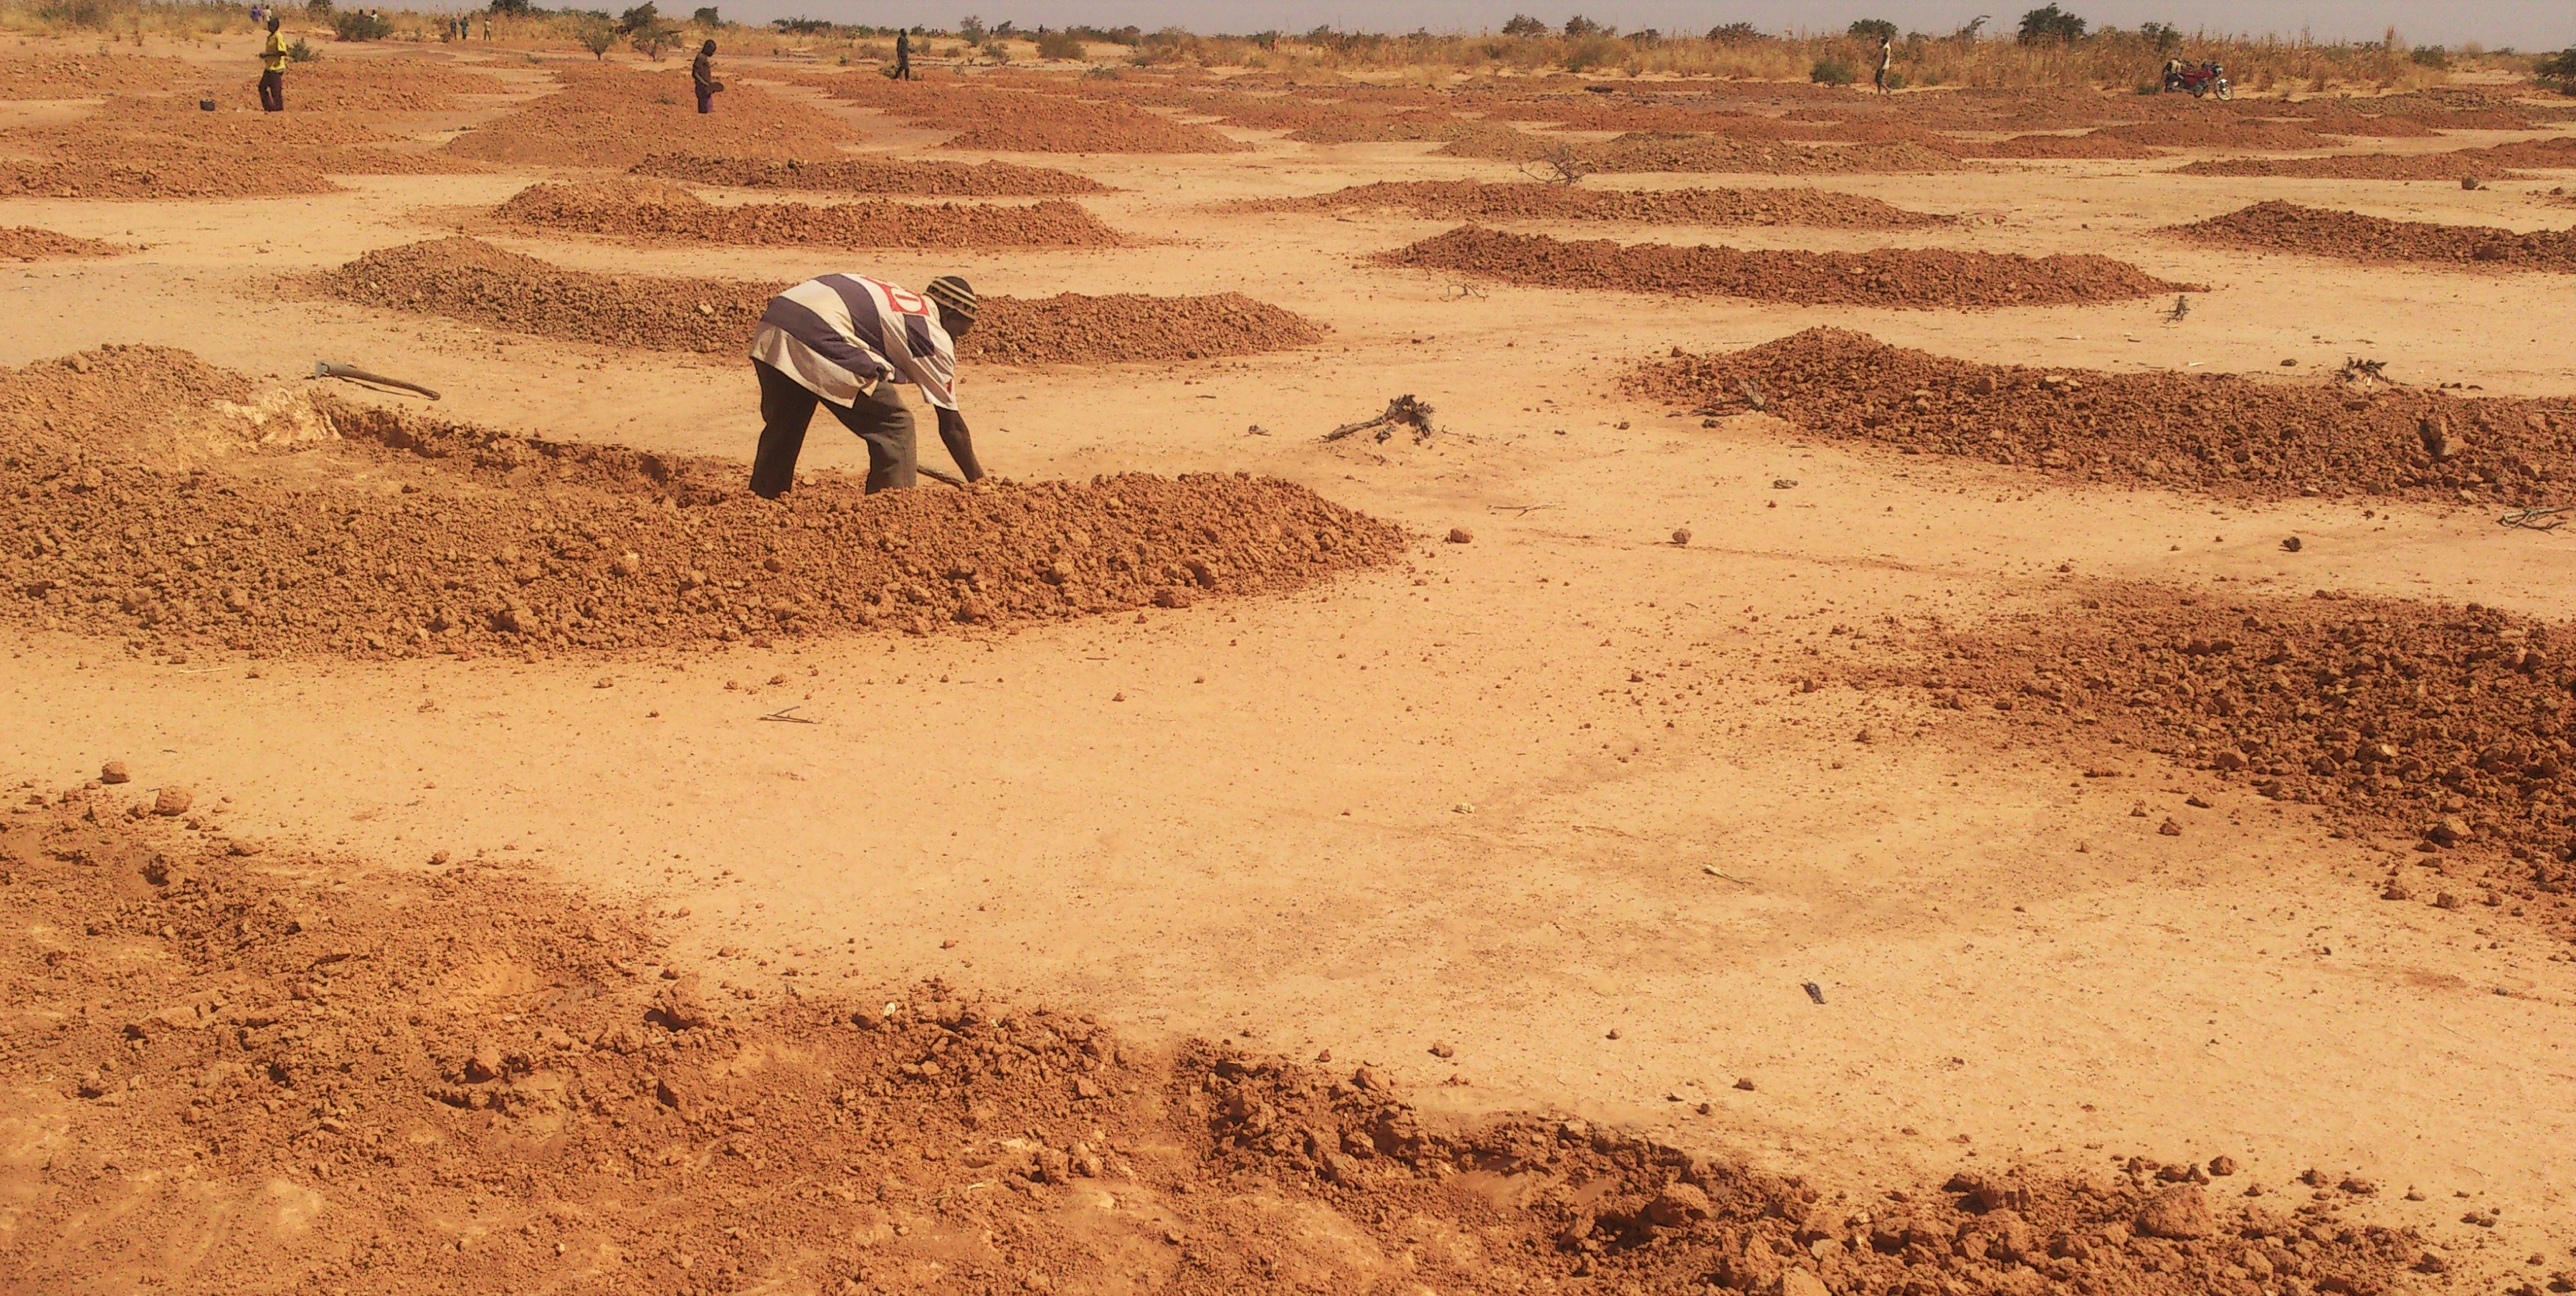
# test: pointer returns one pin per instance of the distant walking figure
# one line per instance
(1886, 56)
(702, 74)
(903, 55)
(272, 76)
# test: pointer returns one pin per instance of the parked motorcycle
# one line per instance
(2199, 80)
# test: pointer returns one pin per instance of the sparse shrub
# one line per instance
(359, 25)
(1734, 33)
(1524, 25)
(75, 13)
(2431, 56)
(302, 51)
(1830, 71)
(706, 17)
(1584, 53)
(1873, 30)
(1059, 45)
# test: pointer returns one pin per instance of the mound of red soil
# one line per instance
(1081, 126)
(608, 117)
(2090, 144)
(2440, 725)
(655, 212)
(2219, 132)
(1022, 121)
(911, 177)
(369, 85)
(27, 243)
(2287, 227)
(1123, 327)
(1393, 128)
(502, 541)
(138, 147)
(467, 279)
(2218, 433)
(1902, 278)
(88, 76)
(1480, 200)
(1707, 153)
(465, 1078)
(2494, 163)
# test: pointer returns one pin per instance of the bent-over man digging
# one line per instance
(847, 340)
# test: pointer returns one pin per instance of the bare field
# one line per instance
(1981, 736)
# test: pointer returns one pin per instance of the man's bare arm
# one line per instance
(961, 446)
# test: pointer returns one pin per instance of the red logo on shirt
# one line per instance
(909, 303)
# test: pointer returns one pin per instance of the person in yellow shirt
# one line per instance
(272, 79)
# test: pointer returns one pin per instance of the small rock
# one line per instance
(1679, 1205)
(1744, 1083)
(2169, 828)
(2178, 1213)
(1614, 1032)
(1784, 483)
(2472, 182)
(1170, 597)
(113, 772)
(2449, 830)
(2358, 1186)
(2291, 545)
(605, 682)
(1800, 1282)
(1681, 536)
(172, 801)
(1442, 1049)
(2395, 890)
(1461, 535)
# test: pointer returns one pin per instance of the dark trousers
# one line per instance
(879, 418)
(272, 91)
(706, 99)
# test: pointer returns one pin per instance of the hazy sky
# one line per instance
(2525, 24)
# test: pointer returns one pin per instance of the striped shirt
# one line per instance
(840, 335)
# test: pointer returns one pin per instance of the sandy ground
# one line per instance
(1477, 797)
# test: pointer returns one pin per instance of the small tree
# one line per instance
(1734, 33)
(1066, 45)
(2050, 25)
(318, 10)
(1873, 30)
(654, 39)
(1578, 25)
(594, 32)
(706, 17)
(1830, 71)
(2164, 36)
(508, 8)
(638, 18)
(1524, 25)
(972, 28)
(2558, 71)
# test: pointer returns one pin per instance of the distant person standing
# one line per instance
(702, 74)
(272, 77)
(1886, 59)
(903, 55)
